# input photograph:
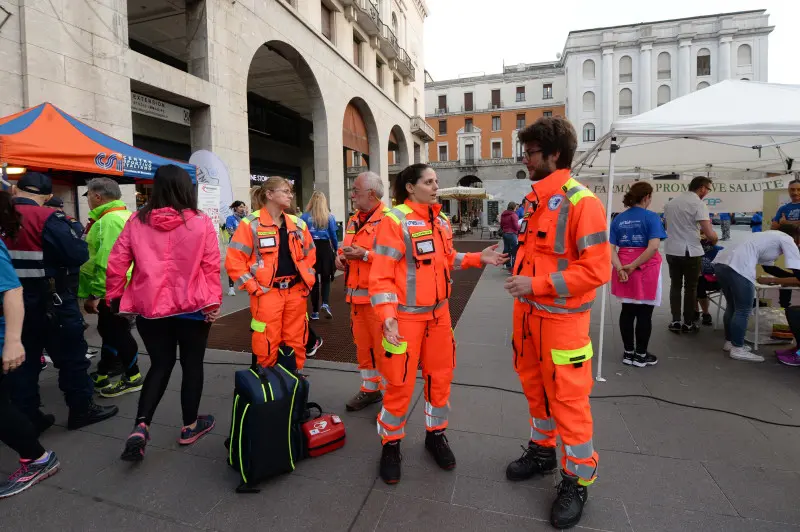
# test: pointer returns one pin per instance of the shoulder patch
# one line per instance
(555, 201)
(415, 223)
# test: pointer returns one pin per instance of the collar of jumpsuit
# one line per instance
(550, 184)
(425, 210)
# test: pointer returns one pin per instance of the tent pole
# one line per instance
(604, 289)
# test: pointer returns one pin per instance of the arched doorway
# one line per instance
(398, 153)
(360, 144)
(286, 113)
(471, 211)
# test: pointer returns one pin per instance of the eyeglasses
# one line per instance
(528, 154)
(284, 191)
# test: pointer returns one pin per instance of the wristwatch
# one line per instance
(365, 257)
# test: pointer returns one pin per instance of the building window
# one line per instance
(625, 102)
(394, 24)
(496, 104)
(547, 114)
(469, 153)
(467, 125)
(520, 121)
(664, 95)
(416, 107)
(468, 101)
(443, 127)
(396, 90)
(520, 94)
(702, 85)
(358, 58)
(327, 22)
(588, 132)
(443, 152)
(442, 104)
(704, 62)
(497, 150)
(495, 123)
(625, 69)
(588, 69)
(521, 174)
(547, 91)
(519, 153)
(379, 72)
(664, 66)
(744, 55)
(588, 102)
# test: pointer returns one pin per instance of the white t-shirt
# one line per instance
(760, 248)
(683, 234)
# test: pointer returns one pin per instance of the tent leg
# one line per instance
(604, 288)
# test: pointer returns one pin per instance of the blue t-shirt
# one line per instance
(198, 315)
(724, 216)
(755, 223)
(635, 227)
(790, 210)
(8, 281)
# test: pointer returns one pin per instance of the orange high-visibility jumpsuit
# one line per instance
(410, 281)
(365, 326)
(563, 248)
(277, 305)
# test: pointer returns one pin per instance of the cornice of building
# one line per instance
(422, 8)
(669, 21)
(531, 71)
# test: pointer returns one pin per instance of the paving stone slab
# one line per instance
(653, 518)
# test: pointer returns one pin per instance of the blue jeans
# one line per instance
(510, 247)
(739, 293)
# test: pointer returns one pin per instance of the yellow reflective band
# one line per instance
(351, 232)
(241, 429)
(395, 349)
(393, 217)
(575, 198)
(583, 482)
(258, 326)
(386, 210)
(265, 233)
(443, 216)
(562, 357)
(422, 233)
(405, 209)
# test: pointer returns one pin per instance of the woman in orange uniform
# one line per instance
(271, 256)
(409, 289)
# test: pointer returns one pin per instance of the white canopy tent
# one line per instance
(732, 127)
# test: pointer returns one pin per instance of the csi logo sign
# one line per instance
(713, 202)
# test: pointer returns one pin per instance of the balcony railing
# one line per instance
(441, 111)
(474, 163)
(404, 65)
(366, 13)
(389, 45)
(422, 129)
(520, 97)
(468, 161)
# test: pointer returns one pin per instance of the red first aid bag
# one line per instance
(323, 434)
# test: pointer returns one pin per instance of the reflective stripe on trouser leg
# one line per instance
(581, 461)
(438, 363)
(370, 380)
(436, 417)
(542, 430)
(391, 427)
(367, 335)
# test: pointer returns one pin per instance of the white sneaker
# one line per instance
(727, 347)
(744, 353)
(231, 291)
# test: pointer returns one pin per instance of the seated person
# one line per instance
(708, 280)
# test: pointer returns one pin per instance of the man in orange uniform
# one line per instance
(409, 289)
(563, 256)
(271, 256)
(355, 258)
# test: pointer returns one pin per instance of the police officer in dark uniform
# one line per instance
(47, 255)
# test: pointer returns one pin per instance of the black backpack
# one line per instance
(269, 406)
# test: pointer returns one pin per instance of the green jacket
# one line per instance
(103, 233)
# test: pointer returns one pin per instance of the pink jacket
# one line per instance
(176, 265)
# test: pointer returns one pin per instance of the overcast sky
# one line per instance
(477, 36)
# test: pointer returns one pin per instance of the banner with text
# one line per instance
(208, 202)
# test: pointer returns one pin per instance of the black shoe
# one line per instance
(647, 359)
(94, 413)
(707, 320)
(43, 421)
(436, 443)
(675, 327)
(568, 506)
(390, 462)
(536, 460)
(689, 328)
(627, 358)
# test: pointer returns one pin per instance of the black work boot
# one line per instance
(390, 462)
(436, 443)
(536, 460)
(568, 506)
(93, 413)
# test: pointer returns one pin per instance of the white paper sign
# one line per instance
(146, 105)
(208, 202)
(212, 171)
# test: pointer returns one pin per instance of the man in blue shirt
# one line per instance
(789, 213)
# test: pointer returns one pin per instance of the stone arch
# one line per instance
(402, 157)
(374, 157)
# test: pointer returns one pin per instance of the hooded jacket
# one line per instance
(106, 223)
(509, 222)
(176, 265)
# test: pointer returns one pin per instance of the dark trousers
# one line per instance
(510, 247)
(683, 275)
(16, 430)
(635, 326)
(59, 329)
(162, 338)
(784, 298)
(119, 345)
(793, 318)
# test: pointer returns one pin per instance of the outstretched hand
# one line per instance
(491, 256)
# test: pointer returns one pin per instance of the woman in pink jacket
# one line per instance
(175, 291)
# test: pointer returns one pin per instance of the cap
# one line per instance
(35, 183)
(55, 201)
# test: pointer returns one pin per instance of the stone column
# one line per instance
(607, 90)
(645, 77)
(197, 24)
(684, 67)
(724, 57)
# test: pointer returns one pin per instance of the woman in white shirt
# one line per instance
(735, 268)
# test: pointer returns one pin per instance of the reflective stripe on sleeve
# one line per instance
(591, 240)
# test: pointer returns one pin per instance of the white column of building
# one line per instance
(684, 67)
(645, 75)
(608, 90)
(725, 57)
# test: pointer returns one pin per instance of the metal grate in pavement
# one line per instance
(232, 332)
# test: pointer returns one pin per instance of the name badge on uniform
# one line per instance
(424, 247)
(267, 242)
(523, 227)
